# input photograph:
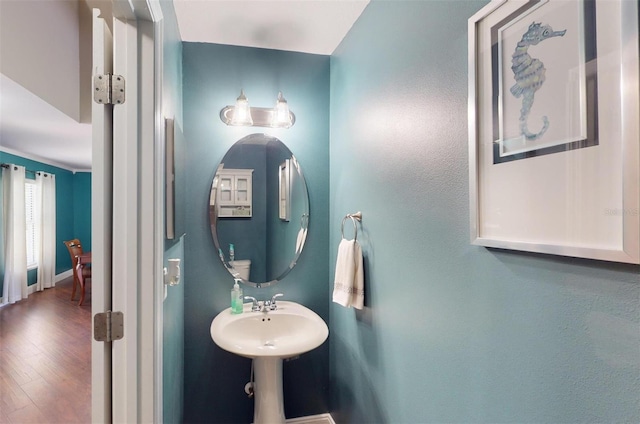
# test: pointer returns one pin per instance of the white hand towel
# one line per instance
(302, 236)
(348, 285)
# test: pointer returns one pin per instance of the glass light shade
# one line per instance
(281, 116)
(242, 111)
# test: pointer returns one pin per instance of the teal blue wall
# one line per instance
(213, 77)
(453, 332)
(32, 277)
(173, 306)
(73, 209)
(82, 208)
(173, 342)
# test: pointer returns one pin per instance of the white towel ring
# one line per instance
(354, 216)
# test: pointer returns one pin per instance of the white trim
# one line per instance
(40, 159)
(150, 218)
(126, 235)
(137, 248)
(30, 290)
(160, 289)
(59, 277)
(63, 275)
(101, 218)
(472, 106)
(312, 419)
(154, 12)
(124, 9)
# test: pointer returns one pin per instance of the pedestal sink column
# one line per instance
(269, 404)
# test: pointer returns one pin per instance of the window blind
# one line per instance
(32, 234)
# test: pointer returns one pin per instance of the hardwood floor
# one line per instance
(45, 358)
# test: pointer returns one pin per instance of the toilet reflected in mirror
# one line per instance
(259, 210)
(241, 269)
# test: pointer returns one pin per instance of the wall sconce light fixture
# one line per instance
(281, 114)
(242, 111)
(244, 115)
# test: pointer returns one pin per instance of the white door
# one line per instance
(127, 218)
(101, 206)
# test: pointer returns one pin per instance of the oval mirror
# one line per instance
(259, 210)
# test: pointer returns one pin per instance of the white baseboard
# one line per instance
(63, 275)
(59, 277)
(312, 419)
(56, 279)
(30, 290)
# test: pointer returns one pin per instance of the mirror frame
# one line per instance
(214, 218)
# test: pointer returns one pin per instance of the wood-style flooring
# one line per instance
(45, 358)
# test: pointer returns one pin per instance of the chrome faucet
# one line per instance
(266, 306)
(255, 306)
(273, 300)
(270, 305)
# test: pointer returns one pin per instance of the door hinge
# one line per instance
(108, 89)
(108, 326)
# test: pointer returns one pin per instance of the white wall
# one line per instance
(43, 55)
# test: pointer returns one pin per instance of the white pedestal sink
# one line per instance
(268, 338)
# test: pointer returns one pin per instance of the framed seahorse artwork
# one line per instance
(533, 64)
(554, 133)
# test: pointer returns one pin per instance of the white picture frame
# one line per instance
(574, 188)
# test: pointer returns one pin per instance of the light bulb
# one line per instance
(242, 111)
(281, 116)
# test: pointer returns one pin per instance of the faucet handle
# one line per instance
(272, 304)
(255, 306)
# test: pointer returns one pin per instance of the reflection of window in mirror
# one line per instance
(285, 190)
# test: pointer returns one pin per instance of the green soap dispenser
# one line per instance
(236, 298)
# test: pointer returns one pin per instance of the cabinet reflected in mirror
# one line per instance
(259, 210)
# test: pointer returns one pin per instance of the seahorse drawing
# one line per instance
(529, 74)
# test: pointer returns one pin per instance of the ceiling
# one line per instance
(33, 128)
(308, 26)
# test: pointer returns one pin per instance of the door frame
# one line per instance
(137, 220)
(151, 215)
(101, 211)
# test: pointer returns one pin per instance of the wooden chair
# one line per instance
(80, 273)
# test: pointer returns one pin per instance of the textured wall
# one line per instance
(173, 306)
(213, 77)
(173, 342)
(454, 332)
(82, 208)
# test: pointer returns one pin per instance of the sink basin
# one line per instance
(268, 338)
(290, 330)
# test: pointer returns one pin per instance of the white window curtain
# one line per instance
(15, 243)
(45, 212)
